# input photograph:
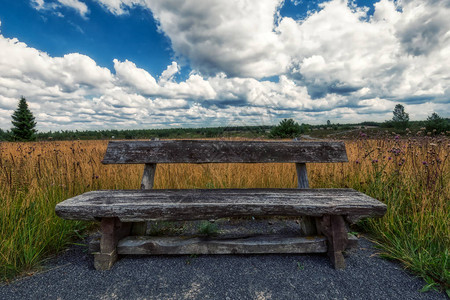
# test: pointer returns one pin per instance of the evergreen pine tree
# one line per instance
(23, 122)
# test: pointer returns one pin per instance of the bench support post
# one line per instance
(307, 224)
(333, 227)
(148, 178)
(112, 230)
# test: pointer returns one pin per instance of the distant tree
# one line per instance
(4, 135)
(23, 122)
(287, 128)
(400, 118)
(436, 124)
(328, 123)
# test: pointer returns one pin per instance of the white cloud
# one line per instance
(120, 7)
(38, 4)
(77, 5)
(128, 74)
(54, 7)
(399, 52)
(236, 37)
(168, 73)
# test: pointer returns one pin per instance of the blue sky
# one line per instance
(102, 64)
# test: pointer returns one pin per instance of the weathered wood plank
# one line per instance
(148, 179)
(94, 245)
(250, 245)
(307, 224)
(112, 231)
(179, 205)
(333, 227)
(196, 151)
(302, 176)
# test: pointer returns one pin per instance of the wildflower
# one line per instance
(397, 137)
(389, 158)
(424, 163)
(357, 161)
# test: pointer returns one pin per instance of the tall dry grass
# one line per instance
(410, 176)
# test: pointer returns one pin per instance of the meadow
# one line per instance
(410, 174)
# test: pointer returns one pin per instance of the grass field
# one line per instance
(411, 176)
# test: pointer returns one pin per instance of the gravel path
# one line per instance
(72, 276)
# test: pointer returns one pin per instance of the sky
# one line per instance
(133, 64)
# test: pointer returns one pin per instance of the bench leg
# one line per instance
(112, 230)
(333, 227)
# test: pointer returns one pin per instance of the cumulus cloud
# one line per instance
(337, 50)
(236, 37)
(337, 63)
(168, 73)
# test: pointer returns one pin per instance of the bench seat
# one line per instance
(198, 204)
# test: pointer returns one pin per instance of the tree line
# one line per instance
(24, 125)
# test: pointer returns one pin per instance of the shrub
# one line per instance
(287, 128)
(436, 124)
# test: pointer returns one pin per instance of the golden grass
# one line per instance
(410, 176)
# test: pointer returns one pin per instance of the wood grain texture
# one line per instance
(307, 224)
(148, 179)
(197, 151)
(334, 228)
(112, 231)
(197, 245)
(179, 205)
(275, 241)
(302, 176)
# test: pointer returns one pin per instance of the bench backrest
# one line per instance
(201, 151)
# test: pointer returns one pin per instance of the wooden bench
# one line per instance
(325, 213)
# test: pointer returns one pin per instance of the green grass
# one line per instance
(32, 231)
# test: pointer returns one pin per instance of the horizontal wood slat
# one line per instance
(197, 151)
(198, 245)
(142, 205)
(222, 245)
